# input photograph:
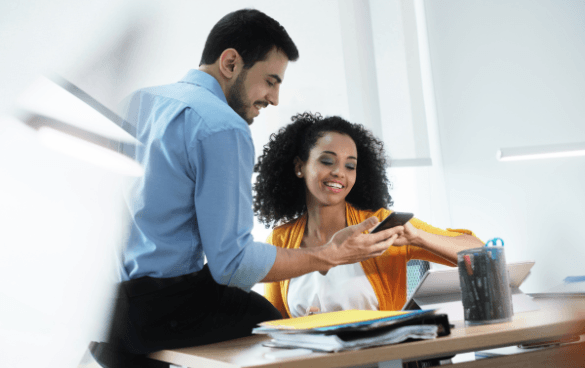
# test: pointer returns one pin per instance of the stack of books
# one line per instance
(354, 329)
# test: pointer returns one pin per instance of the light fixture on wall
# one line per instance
(70, 121)
(541, 152)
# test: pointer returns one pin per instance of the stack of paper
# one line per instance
(353, 329)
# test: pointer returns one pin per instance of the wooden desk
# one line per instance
(555, 319)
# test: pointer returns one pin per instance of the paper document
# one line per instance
(334, 343)
(572, 286)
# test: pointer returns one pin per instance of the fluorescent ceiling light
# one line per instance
(89, 152)
(71, 121)
(411, 162)
(60, 100)
(541, 152)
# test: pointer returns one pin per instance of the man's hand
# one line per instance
(347, 246)
(351, 245)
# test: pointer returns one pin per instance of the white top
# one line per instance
(344, 287)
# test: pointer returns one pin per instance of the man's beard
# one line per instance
(236, 96)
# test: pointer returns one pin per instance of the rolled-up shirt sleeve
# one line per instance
(224, 163)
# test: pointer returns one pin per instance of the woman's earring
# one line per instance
(299, 174)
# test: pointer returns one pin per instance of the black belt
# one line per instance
(147, 284)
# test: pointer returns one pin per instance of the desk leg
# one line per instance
(397, 363)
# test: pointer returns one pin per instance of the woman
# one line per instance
(319, 175)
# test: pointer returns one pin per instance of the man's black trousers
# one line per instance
(153, 314)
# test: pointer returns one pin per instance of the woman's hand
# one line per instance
(443, 246)
(410, 235)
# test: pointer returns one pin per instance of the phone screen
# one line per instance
(394, 219)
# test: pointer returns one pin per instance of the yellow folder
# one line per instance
(330, 319)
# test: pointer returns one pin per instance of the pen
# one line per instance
(467, 260)
(477, 259)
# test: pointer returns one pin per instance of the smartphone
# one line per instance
(394, 219)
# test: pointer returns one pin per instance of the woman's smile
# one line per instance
(334, 186)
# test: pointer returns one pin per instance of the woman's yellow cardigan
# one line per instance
(386, 273)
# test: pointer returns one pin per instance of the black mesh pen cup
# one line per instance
(485, 288)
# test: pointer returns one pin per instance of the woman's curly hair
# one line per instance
(280, 194)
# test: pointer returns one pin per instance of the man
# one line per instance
(195, 201)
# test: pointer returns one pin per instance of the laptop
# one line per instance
(440, 288)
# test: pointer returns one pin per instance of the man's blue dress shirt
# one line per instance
(195, 198)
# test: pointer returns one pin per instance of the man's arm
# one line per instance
(223, 163)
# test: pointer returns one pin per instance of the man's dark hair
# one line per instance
(252, 34)
(280, 195)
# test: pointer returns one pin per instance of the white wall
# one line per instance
(510, 74)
